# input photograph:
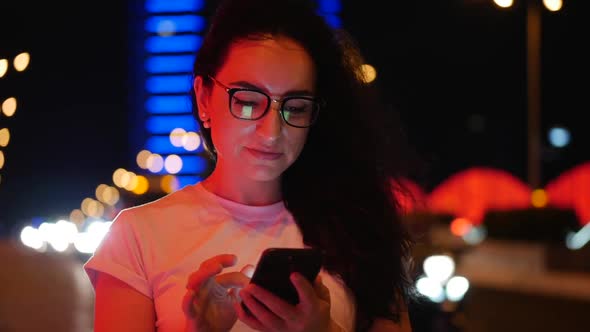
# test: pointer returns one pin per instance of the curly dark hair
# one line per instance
(340, 188)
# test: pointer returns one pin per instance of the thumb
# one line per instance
(321, 290)
(245, 275)
(248, 270)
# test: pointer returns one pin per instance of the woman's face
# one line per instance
(262, 149)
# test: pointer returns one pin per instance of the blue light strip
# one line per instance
(169, 84)
(184, 180)
(194, 164)
(170, 64)
(164, 124)
(168, 105)
(167, 6)
(173, 44)
(177, 23)
(172, 37)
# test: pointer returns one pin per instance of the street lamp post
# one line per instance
(533, 71)
(533, 30)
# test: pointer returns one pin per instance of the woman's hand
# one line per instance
(208, 304)
(271, 313)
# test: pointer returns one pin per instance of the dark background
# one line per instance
(444, 65)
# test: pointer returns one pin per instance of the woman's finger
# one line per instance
(321, 290)
(304, 289)
(232, 280)
(208, 269)
(274, 303)
(225, 260)
(248, 319)
(262, 314)
(187, 303)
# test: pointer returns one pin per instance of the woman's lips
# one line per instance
(265, 155)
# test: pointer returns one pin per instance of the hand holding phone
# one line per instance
(277, 264)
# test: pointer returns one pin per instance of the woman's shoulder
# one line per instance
(180, 202)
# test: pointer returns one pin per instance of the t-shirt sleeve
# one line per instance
(120, 255)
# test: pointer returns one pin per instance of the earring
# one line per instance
(205, 120)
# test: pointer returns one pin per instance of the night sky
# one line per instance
(454, 70)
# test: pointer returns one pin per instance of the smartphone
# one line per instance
(276, 265)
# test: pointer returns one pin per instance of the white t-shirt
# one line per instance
(155, 247)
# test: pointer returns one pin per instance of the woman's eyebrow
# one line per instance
(248, 85)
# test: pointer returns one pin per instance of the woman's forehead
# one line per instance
(276, 65)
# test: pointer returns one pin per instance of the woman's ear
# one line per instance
(202, 97)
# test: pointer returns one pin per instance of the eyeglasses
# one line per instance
(250, 104)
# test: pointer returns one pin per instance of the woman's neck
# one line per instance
(243, 190)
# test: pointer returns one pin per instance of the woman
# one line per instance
(301, 159)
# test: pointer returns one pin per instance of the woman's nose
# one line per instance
(270, 126)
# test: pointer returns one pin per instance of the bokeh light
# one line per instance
(461, 226)
(77, 217)
(21, 61)
(369, 73)
(504, 3)
(142, 159)
(111, 196)
(539, 198)
(130, 181)
(141, 185)
(3, 67)
(553, 5)
(155, 163)
(4, 137)
(173, 164)
(118, 177)
(177, 136)
(9, 106)
(99, 192)
(169, 183)
(559, 137)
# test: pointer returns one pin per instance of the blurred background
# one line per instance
(491, 94)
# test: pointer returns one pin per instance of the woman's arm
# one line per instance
(119, 307)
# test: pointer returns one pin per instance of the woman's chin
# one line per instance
(263, 173)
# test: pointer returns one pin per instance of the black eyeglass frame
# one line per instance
(318, 103)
